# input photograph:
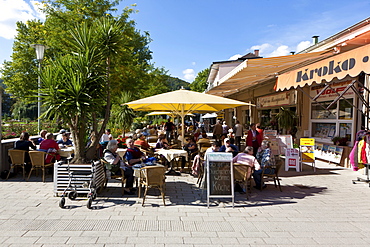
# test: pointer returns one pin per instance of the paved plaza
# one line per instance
(314, 209)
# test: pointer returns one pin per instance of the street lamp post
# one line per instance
(40, 49)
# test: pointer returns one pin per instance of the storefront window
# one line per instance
(345, 130)
(323, 130)
(318, 112)
(346, 109)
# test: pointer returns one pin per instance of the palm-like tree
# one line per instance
(77, 86)
(122, 115)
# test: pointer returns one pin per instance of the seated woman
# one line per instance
(162, 143)
(42, 136)
(111, 156)
(24, 143)
(65, 141)
(266, 160)
(192, 148)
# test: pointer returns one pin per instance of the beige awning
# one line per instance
(350, 63)
(255, 71)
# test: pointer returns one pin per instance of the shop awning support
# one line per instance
(351, 85)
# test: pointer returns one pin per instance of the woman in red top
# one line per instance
(254, 138)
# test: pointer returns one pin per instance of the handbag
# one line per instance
(51, 156)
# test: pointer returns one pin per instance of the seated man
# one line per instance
(50, 146)
(133, 154)
(49, 142)
(142, 142)
(247, 158)
(65, 140)
(266, 160)
(229, 148)
(111, 156)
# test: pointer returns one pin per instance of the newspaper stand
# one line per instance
(220, 182)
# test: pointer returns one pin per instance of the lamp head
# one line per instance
(40, 49)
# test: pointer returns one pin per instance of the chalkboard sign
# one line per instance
(220, 183)
(219, 178)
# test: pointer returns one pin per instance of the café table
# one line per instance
(66, 151)
(171, 154)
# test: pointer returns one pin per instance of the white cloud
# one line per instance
(189, 74)
(282, 50)
(235, 57)
(12, 11)
(264, 49)
(303, 45)
(272, 50)
(193, 63)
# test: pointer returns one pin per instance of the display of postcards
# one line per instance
(319, 146)
(339, 150)
(332, 149)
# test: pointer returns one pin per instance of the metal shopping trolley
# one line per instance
(80, 181)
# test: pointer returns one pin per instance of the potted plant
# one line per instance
(286, 119)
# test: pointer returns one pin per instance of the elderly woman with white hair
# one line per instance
(266, 160)
(111, 156)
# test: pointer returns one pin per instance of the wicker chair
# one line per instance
(38, 162)
(152, 177)
(17, 159)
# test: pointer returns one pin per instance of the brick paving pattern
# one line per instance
(314, 209)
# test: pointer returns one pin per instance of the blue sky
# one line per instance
(188, 35)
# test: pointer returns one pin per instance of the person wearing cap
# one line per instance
(142, 142)
(229, 147)
(59, 136)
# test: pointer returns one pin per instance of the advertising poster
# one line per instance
(292, 159)
(307, 147)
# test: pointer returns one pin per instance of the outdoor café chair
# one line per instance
(275, 175)
(152, 177)
(243, 174)
(107, 167)
(17, 159)
(38, 162)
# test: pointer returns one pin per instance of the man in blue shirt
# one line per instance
(229, 147)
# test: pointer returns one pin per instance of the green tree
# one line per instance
(121, 63)
(200, 82)
(76, 86)
(122, 115)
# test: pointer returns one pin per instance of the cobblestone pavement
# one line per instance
(314, 209)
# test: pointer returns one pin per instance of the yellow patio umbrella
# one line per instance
(182, 102)
(157, 113)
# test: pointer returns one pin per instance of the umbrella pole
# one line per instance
(182, 125)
